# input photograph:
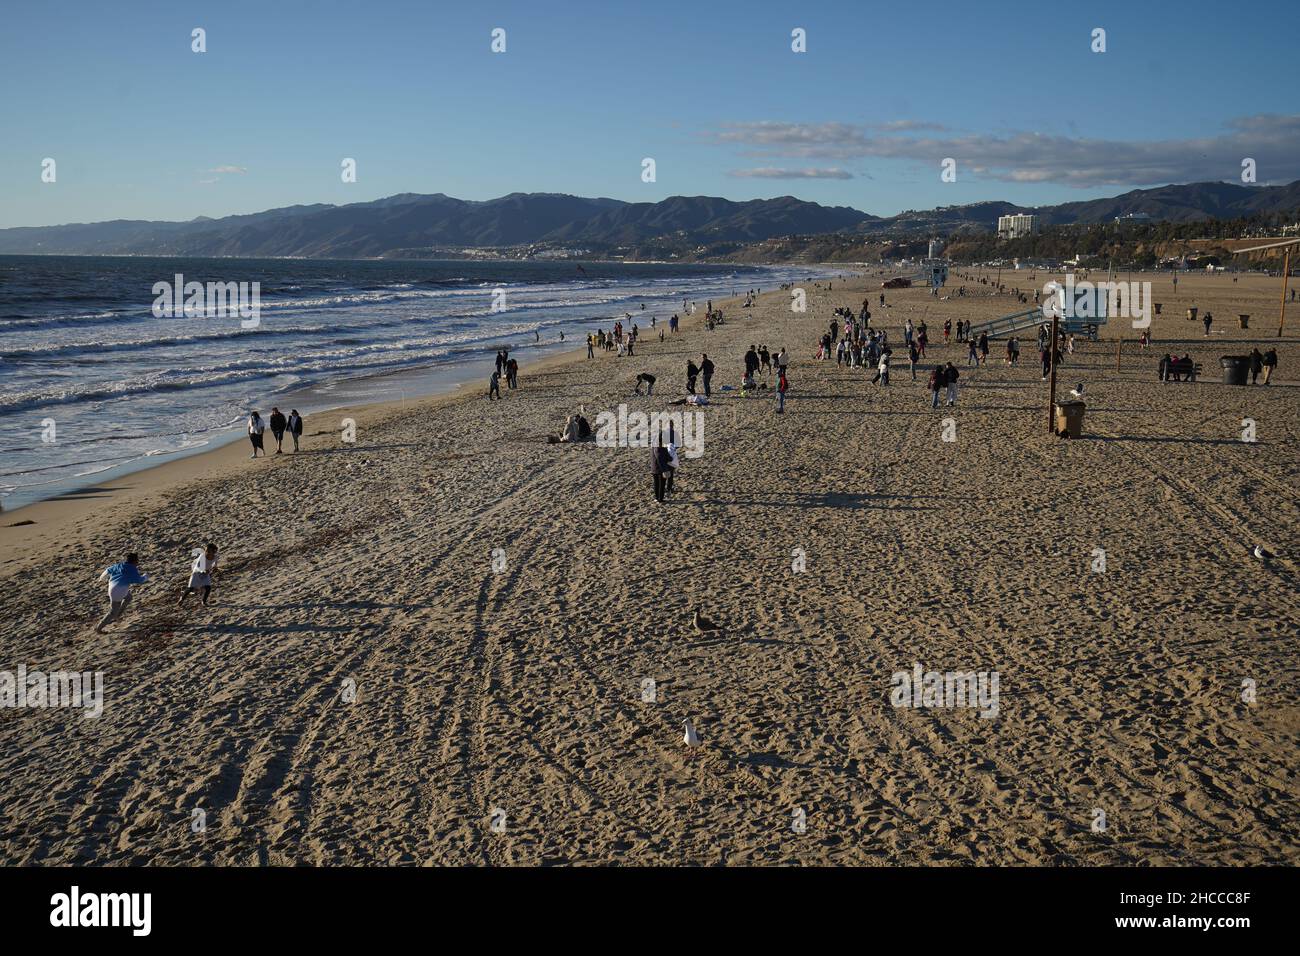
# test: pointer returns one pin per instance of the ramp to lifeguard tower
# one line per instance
(1007, 324)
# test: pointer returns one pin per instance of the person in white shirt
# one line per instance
(255, 428)
(200, 583)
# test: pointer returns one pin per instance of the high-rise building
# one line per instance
(1017, 225)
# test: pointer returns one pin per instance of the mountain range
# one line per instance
(409, 224)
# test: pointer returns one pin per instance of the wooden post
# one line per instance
(1286, 275)
(1118, 343)
(1051, 387)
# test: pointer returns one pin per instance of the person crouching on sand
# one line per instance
(120, 577)
(200, 583)
(295, 427)
(255, 429)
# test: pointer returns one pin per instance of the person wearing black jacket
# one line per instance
(1256, 365)
(706, 369)
(295, 427)
(659, 466)
(277, 428)
(692, 370)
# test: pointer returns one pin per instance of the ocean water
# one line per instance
(93, 385)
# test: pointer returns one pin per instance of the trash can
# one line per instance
(1236, 369)
(1244, 319)
(1159, 306)
(1191, 314)
(1069, 418)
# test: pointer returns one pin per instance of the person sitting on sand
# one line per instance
(201, 571)
(120, 578)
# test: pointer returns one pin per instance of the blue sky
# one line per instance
(142, 127)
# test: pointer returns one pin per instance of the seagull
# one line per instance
(702, 623)
(1077, 391)
(691, 739)
(1258, 552)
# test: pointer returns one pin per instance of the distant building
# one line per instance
(1015, 226)
(1134, 217)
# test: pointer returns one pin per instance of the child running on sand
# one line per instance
(120, 578)
(200, 583)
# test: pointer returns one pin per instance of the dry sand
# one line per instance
(521, 689)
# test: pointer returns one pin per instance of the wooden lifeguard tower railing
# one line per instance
(1288, 244)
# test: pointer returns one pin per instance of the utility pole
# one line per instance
(1051, 358)
(1286, 275)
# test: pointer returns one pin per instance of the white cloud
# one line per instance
(772, 172)
(231, 170)
(1273, 141)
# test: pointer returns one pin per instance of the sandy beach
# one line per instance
(496, 604)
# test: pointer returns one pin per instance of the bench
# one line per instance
(1189, 374)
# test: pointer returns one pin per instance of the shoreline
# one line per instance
(35, 524)
(329, 395)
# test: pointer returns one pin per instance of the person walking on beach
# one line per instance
(751, 362)
(659, 464)
(781, 386)
(950, 379)
(512, 374)
(984, 348)
(494, 385)
(947, 330)
(200, 583)
(1256, 365)
(706, 372)
(295, 427)
(1208, 320)
(278, 423)
(1270, 363)
(591, 346)
(255, 429)
(120, 577)
(692, 371)
(913, 356)
(674, 460)
(937, 379)
(972, 353)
